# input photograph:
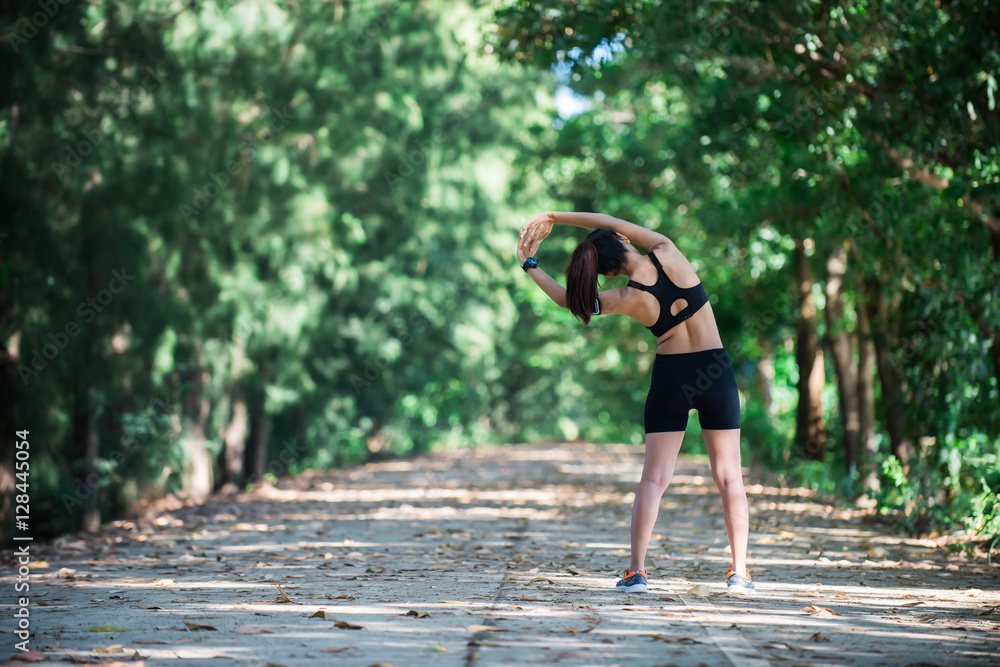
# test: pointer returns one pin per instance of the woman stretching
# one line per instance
(691, 371)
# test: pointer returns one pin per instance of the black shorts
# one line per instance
(702, 381)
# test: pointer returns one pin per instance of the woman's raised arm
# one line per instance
(548, 284)
(540, 226)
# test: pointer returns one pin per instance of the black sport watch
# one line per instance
(530, 263)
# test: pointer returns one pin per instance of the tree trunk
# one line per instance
(235, 435)
(196, 472)
(866, 397)
(843, 358)
(890, 380)
(810, 436)
(88, 482)
(995, 348)
(765, 378)
(235, 443)
(256, 450)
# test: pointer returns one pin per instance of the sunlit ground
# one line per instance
(505, 556)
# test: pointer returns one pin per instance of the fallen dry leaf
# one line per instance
(335, 649)
(819, 637)
(575, 631)
(284, 599)
(199, 626)
(819, 611)
(437, 648)
(417, 614)
(114, 648)
(672, 640)
(538, 579)
(253, 630)
(485, 628)
(701, 590)
(109, 628)
(344, 625)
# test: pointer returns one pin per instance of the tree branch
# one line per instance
(990, 218)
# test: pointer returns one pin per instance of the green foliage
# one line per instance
(311, 203)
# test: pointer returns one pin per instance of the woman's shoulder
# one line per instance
(666, 252)
(675, 264)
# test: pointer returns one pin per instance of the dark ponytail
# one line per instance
(581, 280)
(600, 253)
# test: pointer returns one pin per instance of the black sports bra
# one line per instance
(666, 292)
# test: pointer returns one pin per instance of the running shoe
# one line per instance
(632, 581)
(738, 585)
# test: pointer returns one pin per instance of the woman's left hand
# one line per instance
(523, 252)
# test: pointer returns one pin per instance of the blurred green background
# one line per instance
(245, 238)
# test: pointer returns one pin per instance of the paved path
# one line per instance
(503, 556)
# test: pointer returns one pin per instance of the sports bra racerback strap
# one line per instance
(666, 293)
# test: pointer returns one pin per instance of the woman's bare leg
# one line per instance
(727, 471)
(658, 468)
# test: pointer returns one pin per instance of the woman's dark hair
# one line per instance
(602, 252)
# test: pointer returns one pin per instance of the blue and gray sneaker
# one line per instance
(738, 585)
(632, 581)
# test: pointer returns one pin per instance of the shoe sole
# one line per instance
(739, 590)
(636, 588)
